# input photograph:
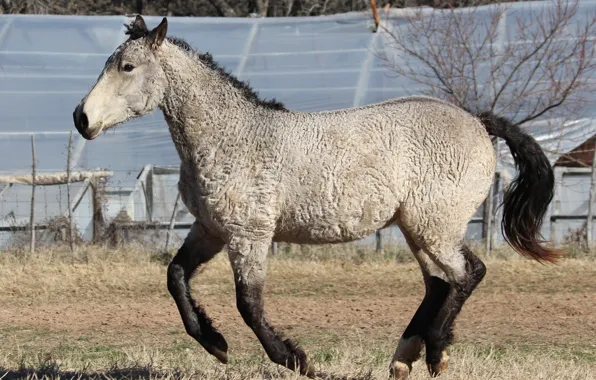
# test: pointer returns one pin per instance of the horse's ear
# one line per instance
(157, 35)
(139, 22)
(137, 28)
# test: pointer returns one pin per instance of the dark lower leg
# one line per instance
(190, 256)
(408, 351)
(248, 260)
(440, 331)
(437, 290)
(281, 351)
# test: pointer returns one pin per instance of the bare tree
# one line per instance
(213, 8)
(524, 67)
(462, 55)
(258, 7)
(223, 8)
(6, 6)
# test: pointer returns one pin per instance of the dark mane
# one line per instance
(248, 92)
(135, 32)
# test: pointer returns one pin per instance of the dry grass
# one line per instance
(107, 312)
(347, 362)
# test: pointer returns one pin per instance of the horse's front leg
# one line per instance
(248, 259)
(198, 248)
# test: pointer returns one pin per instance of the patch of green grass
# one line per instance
(179, 346)
(101, 349)
(325, 355)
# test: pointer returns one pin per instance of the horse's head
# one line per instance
(131, 84)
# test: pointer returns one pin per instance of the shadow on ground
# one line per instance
(328, 376)
(112, 374)
(143, 373)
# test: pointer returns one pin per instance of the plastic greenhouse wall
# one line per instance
(48, 63)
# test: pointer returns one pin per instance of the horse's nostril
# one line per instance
(80, 119)
(83, 121)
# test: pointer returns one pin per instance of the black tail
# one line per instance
(527, 198)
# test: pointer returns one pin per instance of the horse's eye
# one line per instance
(128, 68)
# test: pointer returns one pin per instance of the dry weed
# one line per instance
(348, 362)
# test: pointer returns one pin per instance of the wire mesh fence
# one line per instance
(152, 213)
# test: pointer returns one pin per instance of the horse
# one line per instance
(254, 172)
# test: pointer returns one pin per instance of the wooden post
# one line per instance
(274, 248)
(172, 220)
(97, 186)
(33, 172)
(494, 191)
(96, 210)
(487, 228)
(379, 240)
(556, 204)
(497, 185)
(488, 215)
(68, 187)
(373, 5)
(590, 220)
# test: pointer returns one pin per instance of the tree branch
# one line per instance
(543, 67)
(223, 8)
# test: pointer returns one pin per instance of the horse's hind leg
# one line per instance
(437, 289)
(464, 271)
(198, 248)
(248, 259)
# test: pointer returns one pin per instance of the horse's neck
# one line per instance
(201, 108)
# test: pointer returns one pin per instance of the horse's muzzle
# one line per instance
(81, 122)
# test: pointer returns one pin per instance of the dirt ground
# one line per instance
(88, 314)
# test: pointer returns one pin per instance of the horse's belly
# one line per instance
(323, 234)
(319, 225)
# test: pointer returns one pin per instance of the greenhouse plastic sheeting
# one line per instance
(309, 63)
(48, 63)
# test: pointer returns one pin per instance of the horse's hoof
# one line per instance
(435, 369)
(304, 367)
(310, 372)
(219, 354)
(399, 371)
(216, 345)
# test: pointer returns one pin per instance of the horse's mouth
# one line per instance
(90, 135)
